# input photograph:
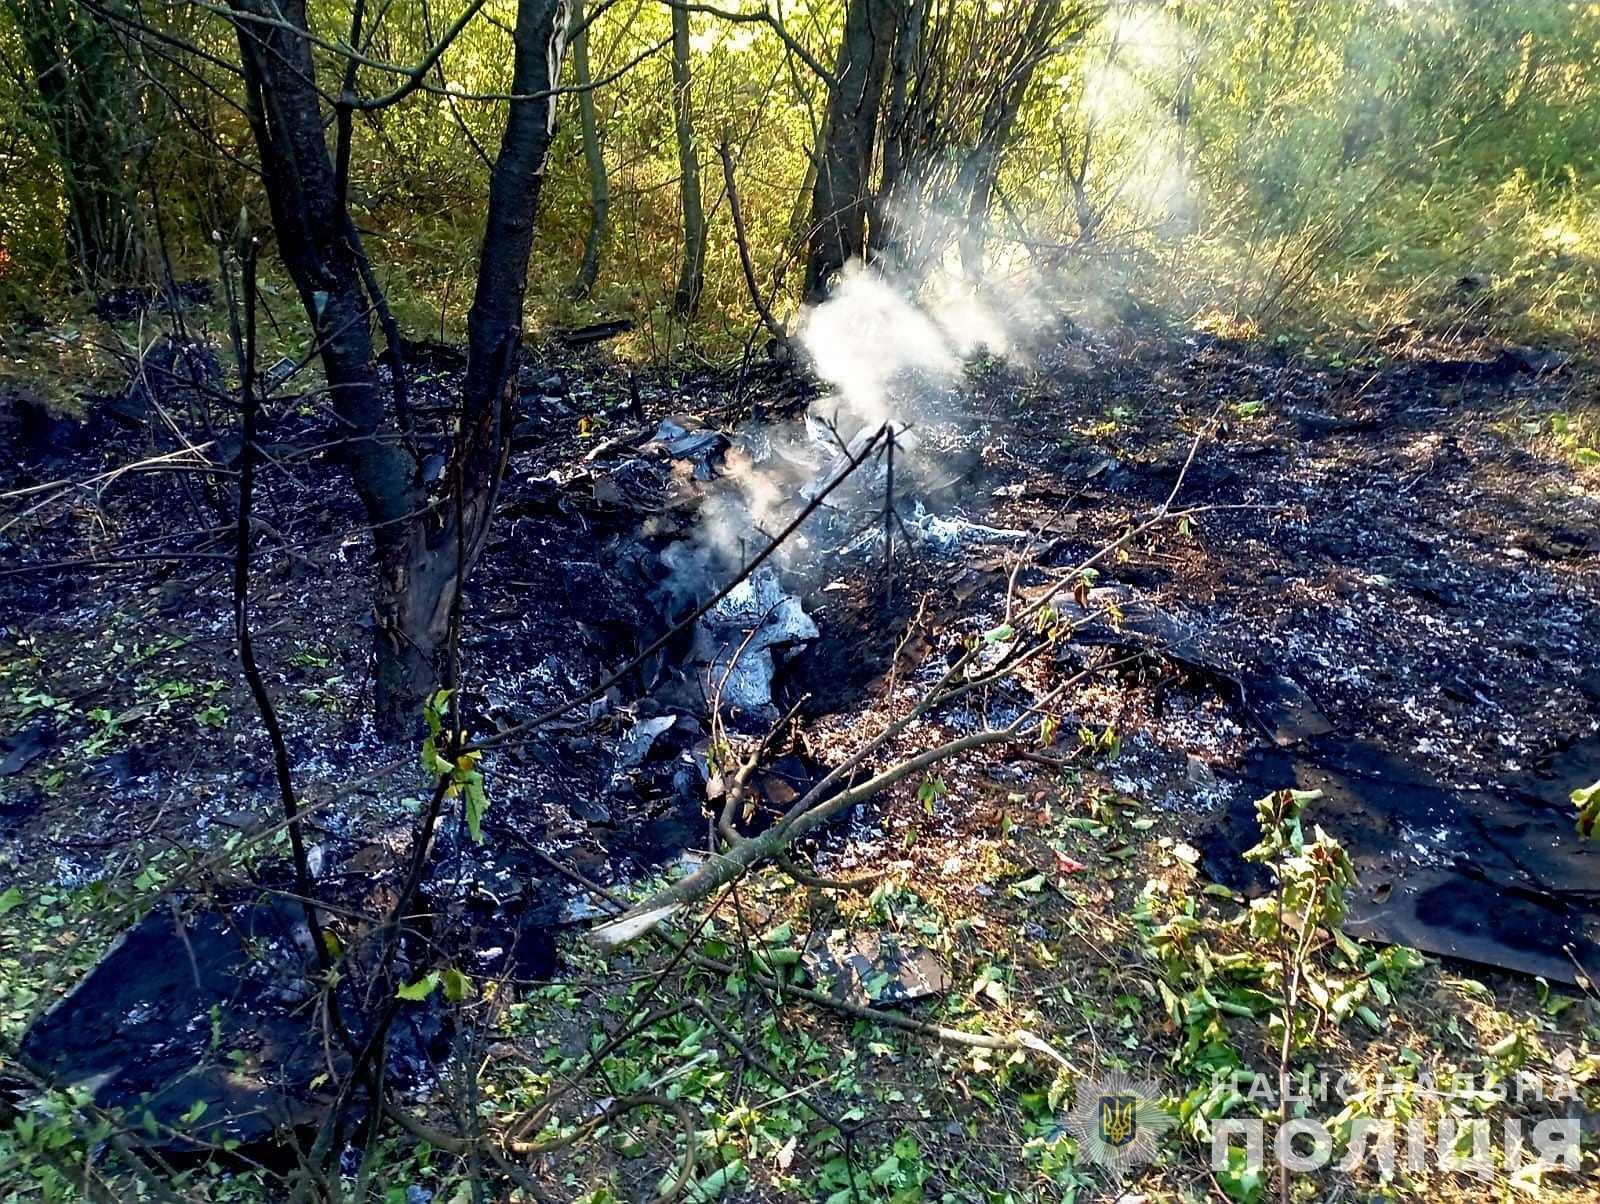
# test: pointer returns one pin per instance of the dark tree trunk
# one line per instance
(886, 236)
(423, 551)
(87, 100)
(982, 167)
(494, 324)
(692, 276)
(842, 193)
(309, 222)
(442, 551)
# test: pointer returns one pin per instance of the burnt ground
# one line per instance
(1388, 589)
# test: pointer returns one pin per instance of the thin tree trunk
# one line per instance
(86, 99)
(800, 214)
(594, 159)
(494, 324)
(982, 168)
(692, 277)
(841, 196)
(422, 552)
(310, 223)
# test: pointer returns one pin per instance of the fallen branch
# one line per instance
(818, 805)
(747, 852)
(856, 1011)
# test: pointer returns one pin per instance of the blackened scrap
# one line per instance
(428, 355)
(1488, 876)
(870, 969)
(25, 747)
(152, 1027)
(126, 304)
(39, 433)
(598, 332)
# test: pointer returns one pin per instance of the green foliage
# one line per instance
(1326, 164)
(1313, 877)
(1587, 800)
(32, 209)
(1223, 977)
(417, 991)
(459, 770)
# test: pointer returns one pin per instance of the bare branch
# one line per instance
(773, 22)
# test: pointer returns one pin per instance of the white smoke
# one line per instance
(888, 353)
(884, 344)
(1128, 97)
(866, 338)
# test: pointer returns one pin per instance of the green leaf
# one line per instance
(12, 899)
(1241, 1179)
(457, 986)
(715, 1184)
(421, 989)
(432, 763)
(477, 804)
(433, 711)
(1587, 801)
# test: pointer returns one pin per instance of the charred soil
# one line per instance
(1388, 589)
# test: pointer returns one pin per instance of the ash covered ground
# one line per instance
(1387, 590)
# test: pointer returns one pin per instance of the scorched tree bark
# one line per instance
(425, 545)
(842, 192)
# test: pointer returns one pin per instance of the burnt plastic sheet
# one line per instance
(1496, 876)
(193, 1021)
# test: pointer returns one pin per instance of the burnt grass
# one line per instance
(1402, 538)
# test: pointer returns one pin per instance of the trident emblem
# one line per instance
(1119, 1119)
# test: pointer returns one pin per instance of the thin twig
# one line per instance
(245, 351)
(746, 261)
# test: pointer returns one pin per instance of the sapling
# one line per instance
(1312, 880)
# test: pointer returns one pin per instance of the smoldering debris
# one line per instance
(635, 746)
(947, 535)
(685, 437)
(738, 642)
(870, 969)
(890, 353)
